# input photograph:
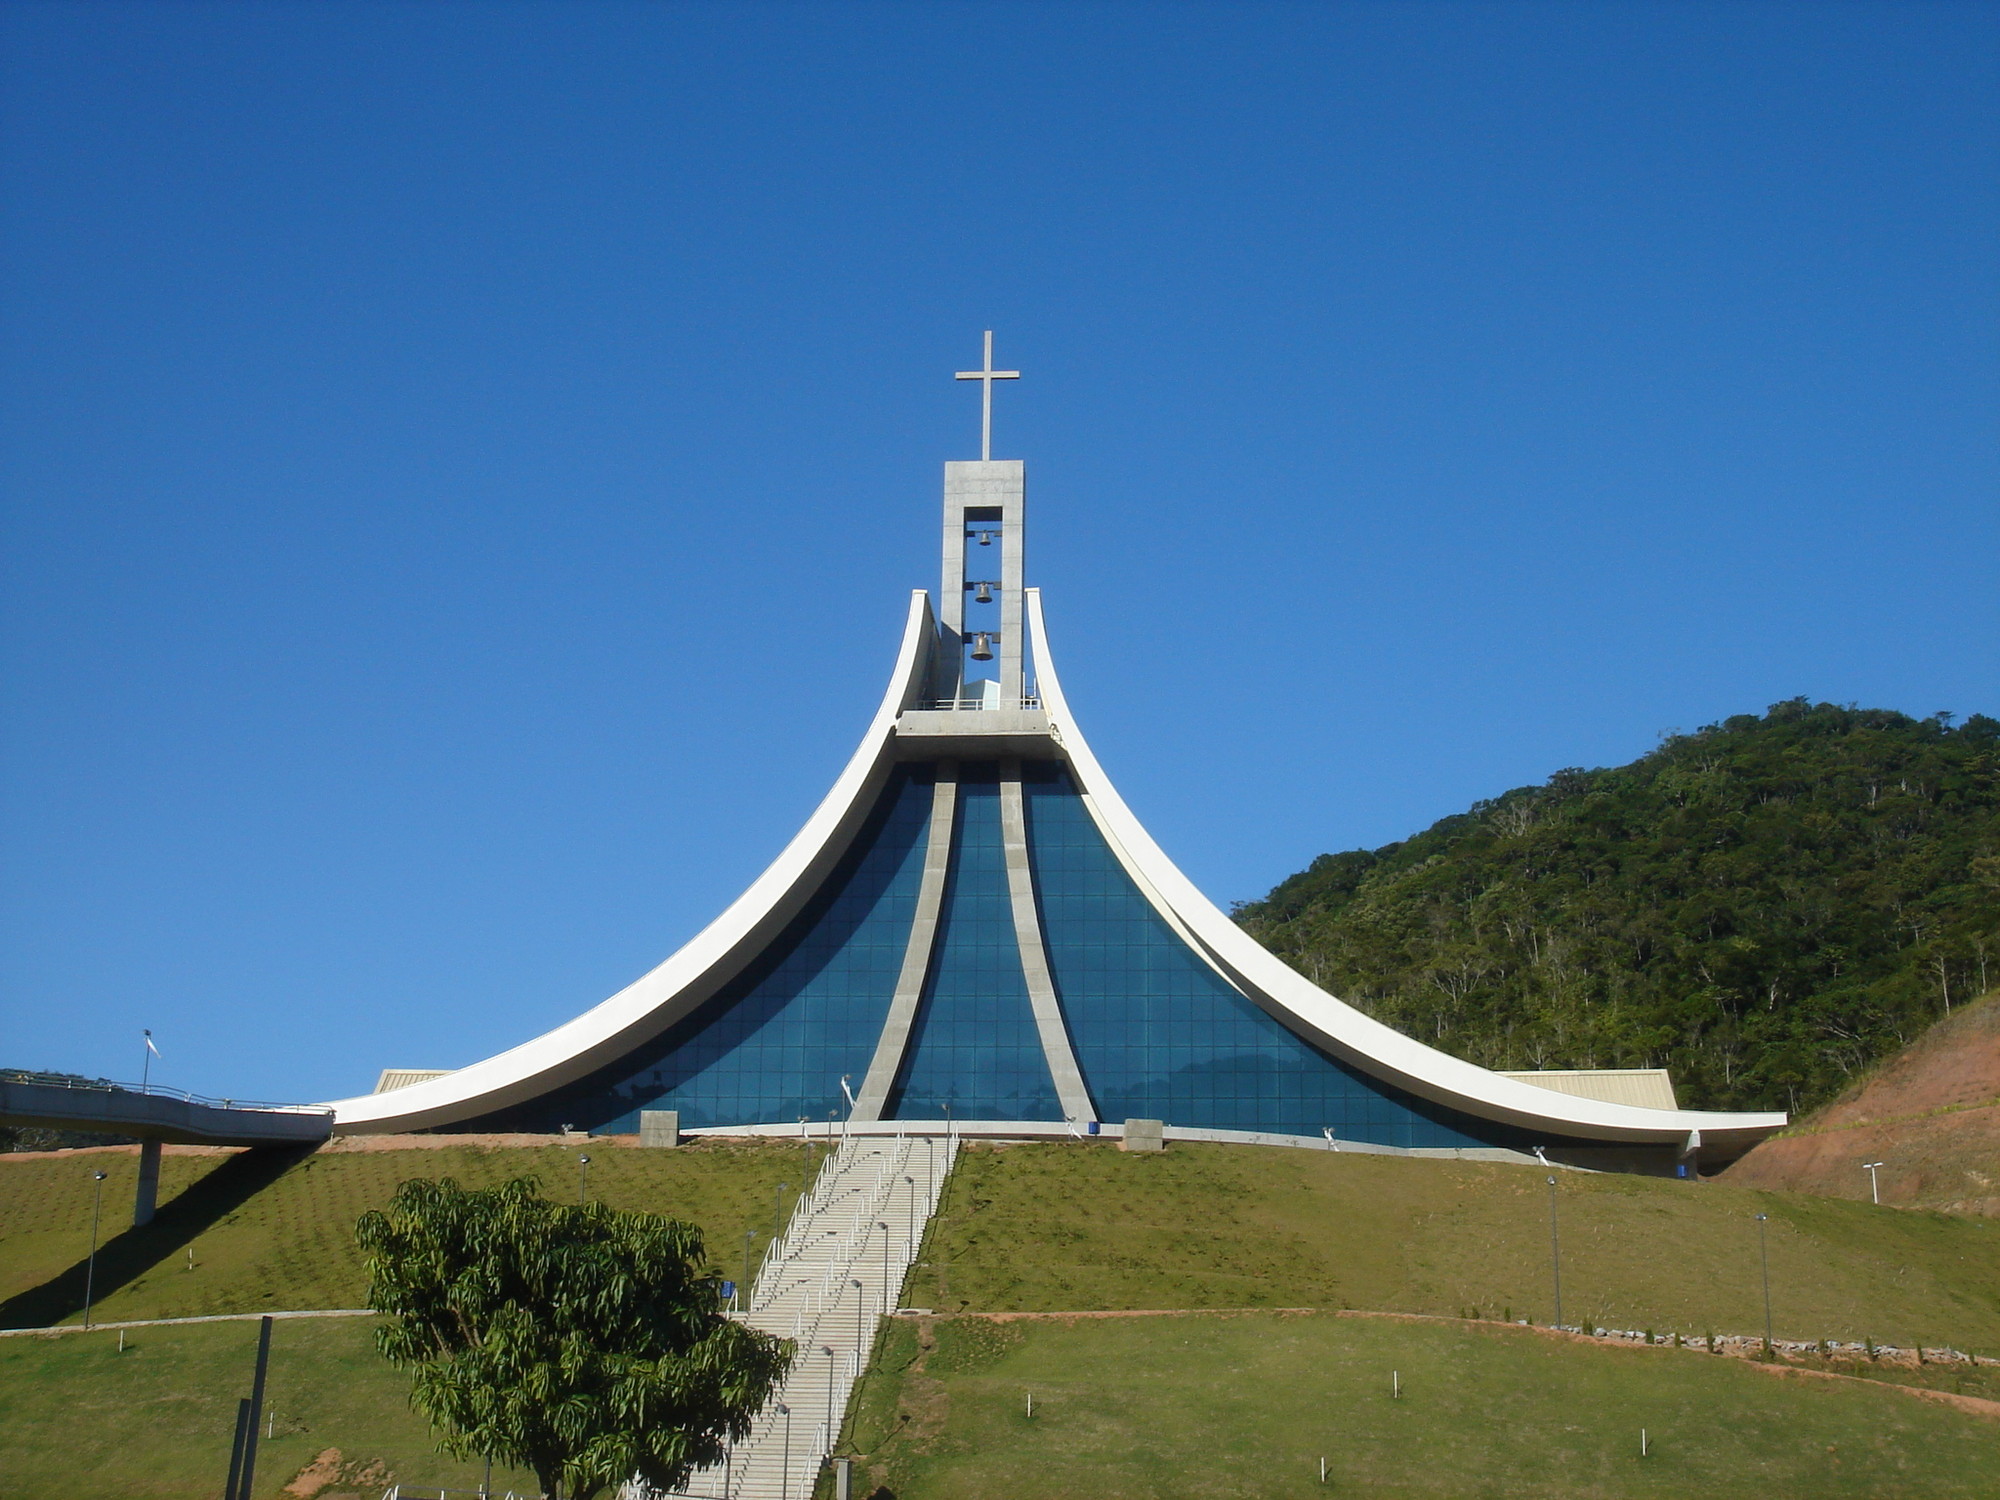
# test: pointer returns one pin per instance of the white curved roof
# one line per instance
(658, 998)
(1332, 1023)
(663, 996)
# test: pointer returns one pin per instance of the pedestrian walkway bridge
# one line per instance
(58, 1101)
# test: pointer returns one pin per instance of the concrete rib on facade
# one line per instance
(974, 927)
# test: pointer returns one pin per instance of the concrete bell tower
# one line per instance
(982, 657)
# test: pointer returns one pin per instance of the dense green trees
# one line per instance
(1764, 906)
(582, 1343)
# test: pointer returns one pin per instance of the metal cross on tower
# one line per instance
(987, 375)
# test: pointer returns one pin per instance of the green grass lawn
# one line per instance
(1071, 1226)
(1226, 1405)
(1221, 1405)
(270, 1231)
(154, 1423)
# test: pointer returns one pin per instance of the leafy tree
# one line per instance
(1764, 906)
(581, 1343)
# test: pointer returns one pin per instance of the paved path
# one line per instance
(323, 1312)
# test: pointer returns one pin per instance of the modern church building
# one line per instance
(974, 933)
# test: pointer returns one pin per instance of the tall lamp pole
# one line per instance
(582, 1180)
(1874, 1188)
(827, 1350)
(90, 1268)
(1555, 1253)
(743, 1288)
(1764, 1258)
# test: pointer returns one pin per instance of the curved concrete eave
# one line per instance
(1305, 1008)
(710, 959)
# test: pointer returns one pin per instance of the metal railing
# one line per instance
(968, 705)
(149, 1090)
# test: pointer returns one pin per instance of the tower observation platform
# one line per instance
(973, 932)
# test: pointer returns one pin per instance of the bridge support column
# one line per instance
(148, 1196)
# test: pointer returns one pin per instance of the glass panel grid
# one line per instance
(772, 1045)
(975, 1045)
(1158, 1033)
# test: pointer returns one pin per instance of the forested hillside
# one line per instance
(1764, 906)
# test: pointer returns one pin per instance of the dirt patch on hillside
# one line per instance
(330, 1477)
(1954, 1065)
(1930, 1114)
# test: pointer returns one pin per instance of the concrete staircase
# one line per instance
(825, 1283)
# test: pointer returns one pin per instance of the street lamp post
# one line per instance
(1764, 1259)
(827, 1350)
(1555, 1253)
(858, 1289)
(743, 1286)
(1874, 1188)
(582, 1180)
(90, 1268)
(911, 1184)
(785, 1483)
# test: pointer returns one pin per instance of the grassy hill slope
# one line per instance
(1248, 1405)
(1129, 1407)
(1930, 1114)
(276, 1230)
(1229, 1405)
(154, 1422)
(1069, 1227)
(1765, 906)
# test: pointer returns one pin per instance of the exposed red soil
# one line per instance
(1931, 1114)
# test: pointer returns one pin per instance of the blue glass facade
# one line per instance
(773, 1044)
(1157, 1032)
(974, 1045)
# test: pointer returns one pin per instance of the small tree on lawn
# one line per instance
(584, 1344)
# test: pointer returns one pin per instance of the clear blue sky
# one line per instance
(464, 464)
